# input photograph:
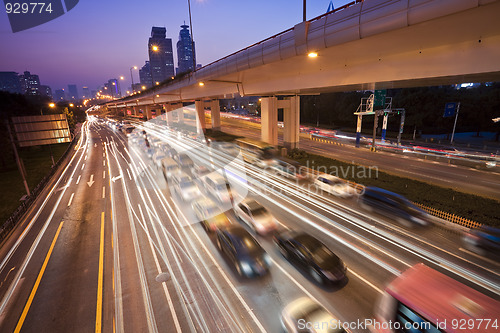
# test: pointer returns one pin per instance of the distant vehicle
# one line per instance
(185, 187)
(216, 185)
(288, 168)
(158, 156)
(169, 167)
(311, 255)
(128, 130)
(484, 241)
(334, 185)
(209, 214)
(434, 302)
(305, 315)
(185, 162)
(256, 152)
(397, 206)
(223, 147)
(246, 254)
(256, 216)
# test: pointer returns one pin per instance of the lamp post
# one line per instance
(132, 77)
(154, 48)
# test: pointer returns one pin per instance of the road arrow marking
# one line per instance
(91, 180)
(116, 178)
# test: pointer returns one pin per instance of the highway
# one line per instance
(459, 178)
(110, 249)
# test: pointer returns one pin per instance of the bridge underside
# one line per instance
(463, 47)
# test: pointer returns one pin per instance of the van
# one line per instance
(169, 167)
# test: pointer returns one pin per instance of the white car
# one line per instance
(305, 315)
(185, 187)
(334, 185)
(256, 216)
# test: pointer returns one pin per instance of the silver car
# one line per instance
(256, 216)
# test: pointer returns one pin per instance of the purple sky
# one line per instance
(100, 40)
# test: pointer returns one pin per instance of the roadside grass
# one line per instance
(469, 206)
(37, 163)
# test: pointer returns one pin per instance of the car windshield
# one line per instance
(322, 254)
(247, 243)
(185, 184)
(259, 211)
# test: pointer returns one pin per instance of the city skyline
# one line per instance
(73, 50)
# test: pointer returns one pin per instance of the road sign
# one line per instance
(449, 109)
(379, 98)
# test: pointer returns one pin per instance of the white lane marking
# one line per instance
(71, 199)
(479, 256)
(103, 162)
(78, 180)
(85, 157)
(104, 174)
(103, 192)
(83, 166)
(129, 175)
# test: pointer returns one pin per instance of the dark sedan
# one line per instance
(246, 254)
(308, 253)
(484, 241)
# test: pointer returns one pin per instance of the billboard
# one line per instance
(41, 130)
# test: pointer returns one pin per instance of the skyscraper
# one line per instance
(145, 75)
(59, 95)
(86, 92)
(186, 55)
(72, 92)
(161, 57)
(9, 81)
(114, 88)
(30, 83)
(45, 91)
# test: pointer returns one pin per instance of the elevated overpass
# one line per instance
(365, 45)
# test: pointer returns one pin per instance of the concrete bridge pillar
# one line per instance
(269, 120)
(291, 121)
(201, 123)
(148, 112)
(215, 114)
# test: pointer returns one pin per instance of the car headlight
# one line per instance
(246, 268)
(267, 260)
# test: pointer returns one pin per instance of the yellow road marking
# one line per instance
(98, 316)
(37, 282)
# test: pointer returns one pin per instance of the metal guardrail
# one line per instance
(17, 215)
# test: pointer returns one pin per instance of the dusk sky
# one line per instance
(100, 40)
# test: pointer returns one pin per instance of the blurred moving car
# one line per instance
(209, 214)
(256, 216)
(334, 185)
(170, 167)
(184, 161)
(484, 241)
(246, 254)
(311, 255)
(223, 147)
(216, 185)
(397, 206)
(288, 168)
(305, 315)
(184, 186)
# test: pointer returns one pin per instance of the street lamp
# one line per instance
(132, 77)
(154, 48)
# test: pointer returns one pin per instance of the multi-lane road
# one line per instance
(461, 178)
(108, 248)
